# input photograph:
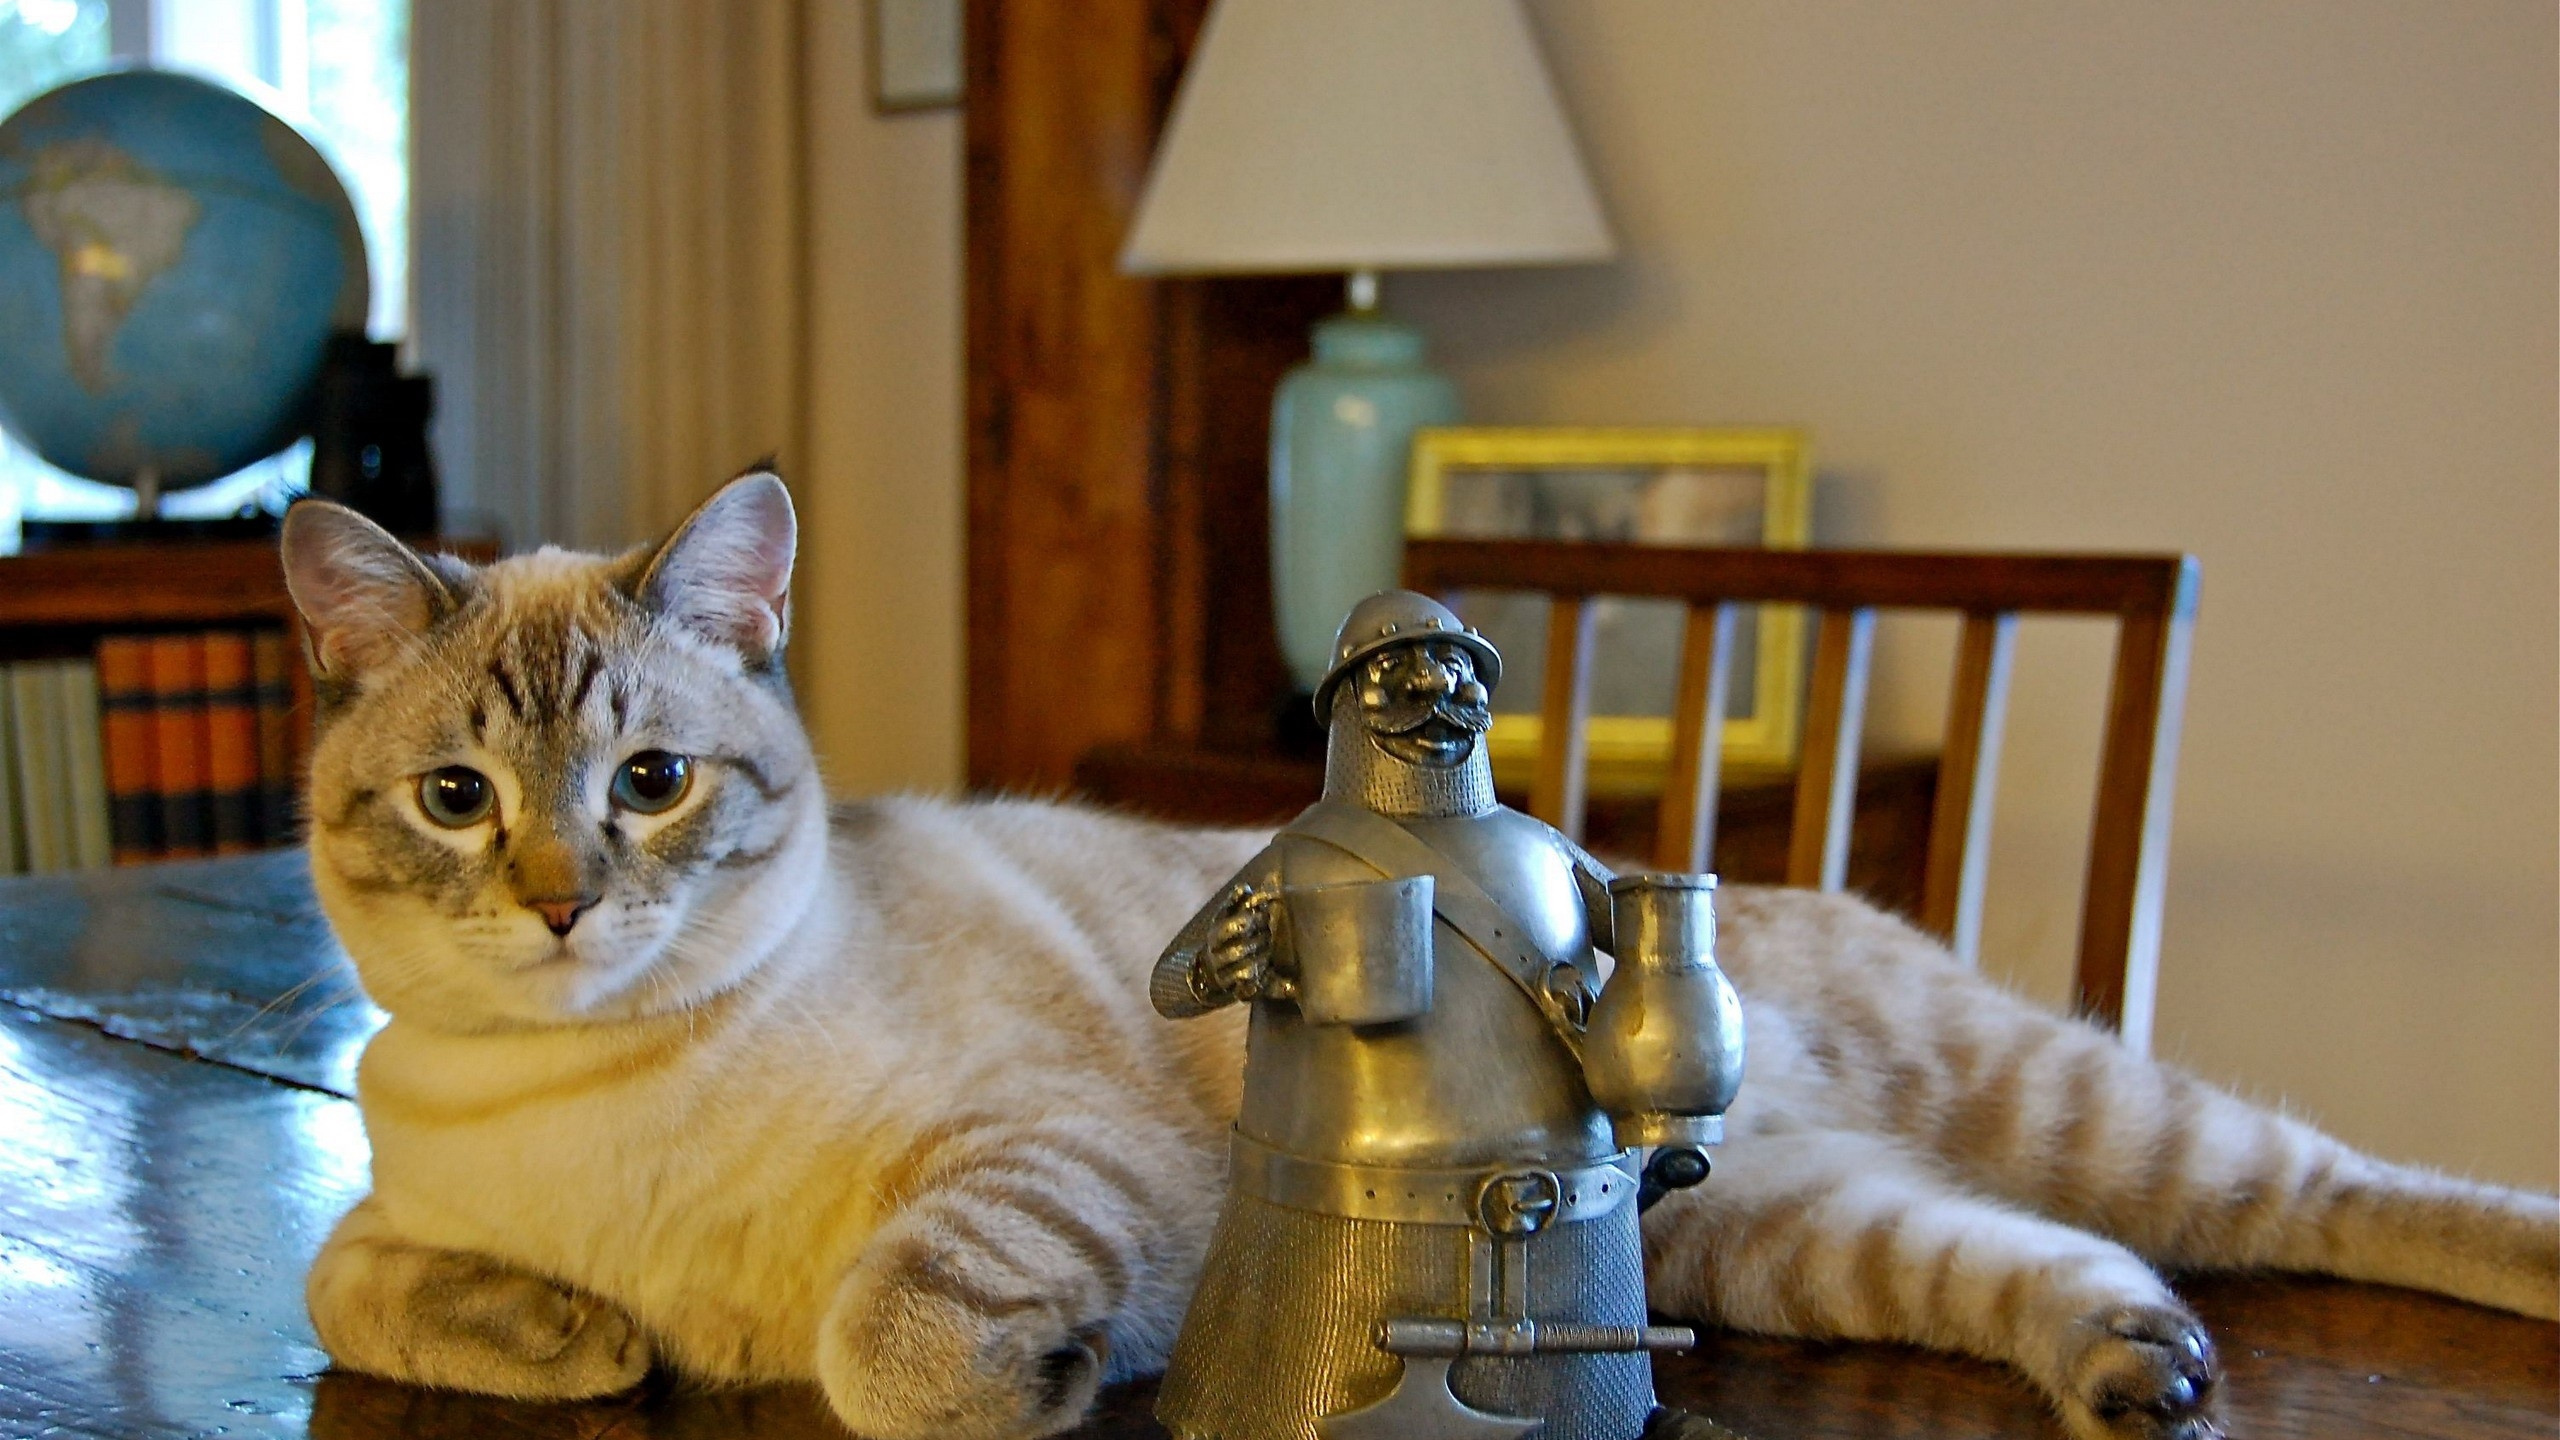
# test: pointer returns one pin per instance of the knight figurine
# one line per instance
(1449, 1124)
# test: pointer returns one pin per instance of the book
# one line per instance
(84, 770)
(178, 734)
(132, 747)
(35, 702)
(277, 782)
(231, 741)
(13, 850)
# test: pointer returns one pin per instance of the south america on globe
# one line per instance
(173, 260)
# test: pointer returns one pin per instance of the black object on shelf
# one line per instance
(1295, 730)
(369, 436)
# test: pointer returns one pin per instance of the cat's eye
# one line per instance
(456, 796)
(652, 781)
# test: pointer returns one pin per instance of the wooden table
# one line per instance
(175, 1141)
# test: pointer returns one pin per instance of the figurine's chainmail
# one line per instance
(1357, 772)
(1279, 1333)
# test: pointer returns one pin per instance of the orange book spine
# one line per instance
(231, 742)
(132, 747)
(178, 728)
(277, 783)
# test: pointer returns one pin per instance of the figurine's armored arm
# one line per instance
(1592, 878)
(1228, 952)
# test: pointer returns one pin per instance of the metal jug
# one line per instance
(1663, 1054)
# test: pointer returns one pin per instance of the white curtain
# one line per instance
(609, 259)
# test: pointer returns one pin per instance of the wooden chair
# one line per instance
(2152, 597)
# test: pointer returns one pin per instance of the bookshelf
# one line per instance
(57, 604)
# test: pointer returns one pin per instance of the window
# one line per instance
(338, 70)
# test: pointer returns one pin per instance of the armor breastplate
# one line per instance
(1481, 1078)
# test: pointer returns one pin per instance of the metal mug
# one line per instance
(1362, 950)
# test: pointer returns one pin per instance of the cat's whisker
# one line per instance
(333, 971)
(306, 1020)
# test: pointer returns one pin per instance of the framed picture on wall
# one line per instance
(1721, 486)
(915, 55)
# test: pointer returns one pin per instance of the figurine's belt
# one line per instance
(1423, 1196)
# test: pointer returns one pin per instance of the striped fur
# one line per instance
(1921, 1156)
(874, 1095)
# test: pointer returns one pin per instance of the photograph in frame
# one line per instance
(1689, 487)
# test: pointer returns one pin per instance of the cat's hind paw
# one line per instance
(2148, 1372)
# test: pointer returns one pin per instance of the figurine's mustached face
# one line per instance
(1423, 704)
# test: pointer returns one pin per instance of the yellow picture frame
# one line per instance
(1631, 753)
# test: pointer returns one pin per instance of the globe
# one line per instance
(173, 260)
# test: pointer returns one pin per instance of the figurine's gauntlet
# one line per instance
(1239, 963)
(1225, 955)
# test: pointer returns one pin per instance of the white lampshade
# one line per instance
(1315, 135)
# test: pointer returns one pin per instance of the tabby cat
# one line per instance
(687, 1069)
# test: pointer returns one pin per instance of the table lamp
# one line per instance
(1354, 135)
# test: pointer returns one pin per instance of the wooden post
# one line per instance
(1827, 784)
(1564, 742)
(1685, 833)
(1968, 779)
(2129, 845)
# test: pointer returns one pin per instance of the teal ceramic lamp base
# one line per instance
(1341, 435)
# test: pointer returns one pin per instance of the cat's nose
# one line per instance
(562, 914)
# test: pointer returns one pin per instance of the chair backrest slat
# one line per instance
(1968, 776)
(1827, 779)
(1564, 716)
(2129, 839)
(2151, 597)
(1685, 836)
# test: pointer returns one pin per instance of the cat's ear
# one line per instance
(364, 596)
(725, 574)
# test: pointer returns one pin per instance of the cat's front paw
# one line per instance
(606, 1351)
(2148, 1372)
(460, 1321)
(902, 1358)
(563, 1344)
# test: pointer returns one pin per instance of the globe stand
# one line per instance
(146, 525)
(66, 534)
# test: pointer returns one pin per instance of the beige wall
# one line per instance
(2272, 282)
(878, 606)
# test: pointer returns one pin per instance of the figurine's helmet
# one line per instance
(1399, 617)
